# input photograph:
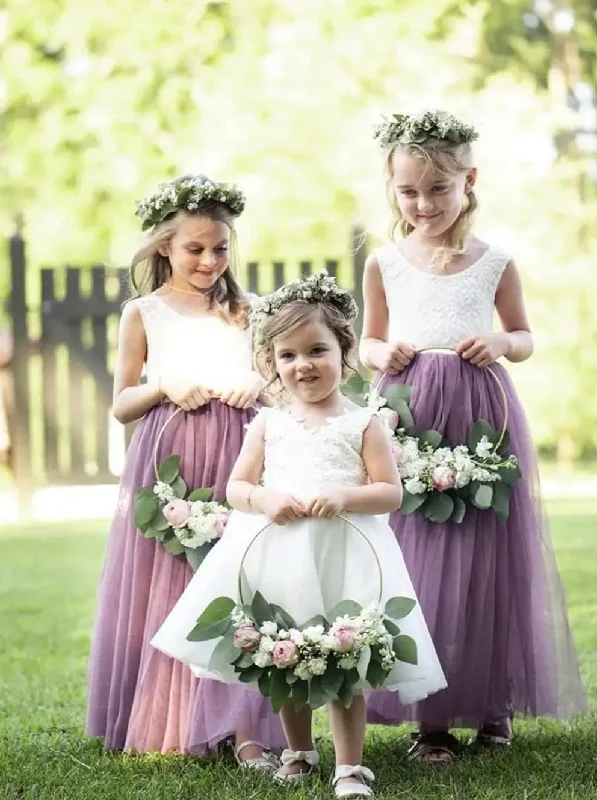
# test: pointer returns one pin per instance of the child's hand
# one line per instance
(482, 351)
(244, 396)
(188, 396)
(327, 505)
(280, 508)
(395, 357)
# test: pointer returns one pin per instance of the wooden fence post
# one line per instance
(20, 429)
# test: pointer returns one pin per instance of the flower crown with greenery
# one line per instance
(320, 288)
(188, 193)
(419, 128)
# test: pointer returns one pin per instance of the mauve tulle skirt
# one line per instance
(139, 699)
(490, 591)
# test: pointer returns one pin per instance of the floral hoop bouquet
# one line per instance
(314, 663)
(323, 659)
(185, 522)
(440, 480)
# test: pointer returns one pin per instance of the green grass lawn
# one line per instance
(48, 580)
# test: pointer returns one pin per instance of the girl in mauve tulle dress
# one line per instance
(189, 327)
(489, 589)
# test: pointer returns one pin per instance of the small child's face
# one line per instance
(430, 202)
(199, 250)
(309, 362)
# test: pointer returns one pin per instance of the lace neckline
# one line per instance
(327, 421)
(475, 265)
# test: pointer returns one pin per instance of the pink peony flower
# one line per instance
(285, 654)
(389, 417)
(443, 478)
(398, 453)
(247, 638)
(177, 513)
(221, 522)
(343, 637)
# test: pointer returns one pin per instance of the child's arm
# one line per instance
(375, 352)
(130, 400)
(244, 494)
(384, 492)
(515, 341)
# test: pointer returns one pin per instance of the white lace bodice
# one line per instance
(303, 460)
(203, 348)
(429, 310)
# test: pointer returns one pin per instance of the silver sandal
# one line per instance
(267, 762)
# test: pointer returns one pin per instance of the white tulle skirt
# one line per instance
(307, 568)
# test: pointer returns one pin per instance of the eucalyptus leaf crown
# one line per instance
(188, 193)
(320, 288)
(419, 128)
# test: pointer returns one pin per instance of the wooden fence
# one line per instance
(64, 349)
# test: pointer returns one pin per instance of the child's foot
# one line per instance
(297, 766)
(496, 736)
(252, 755)
(351, 781)
(439, 748)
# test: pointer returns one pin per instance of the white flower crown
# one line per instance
(419, 128)
(188, 193)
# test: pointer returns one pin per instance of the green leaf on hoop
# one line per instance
(195, 556)
(204, 631)
(174, 547)
(179, 487)
(159, 522)
(223, 655)
(300, 694)
(262, 611)
(251, 675)
(399, 607)
(411, 502)
(480, 429)
(392, 629)
(318, 619)
(218, 610)
(279, 689)
(510, 476)
(346, 695)
(432, 438)
(282, 617)
(405, 649)
(146, 508)
(405, 417)
(501, 500)
(204, 495)
(332, 679)
(317, 694)
(483, 496)
(439, 508)
(264, 683)
(376, 675)
(397, 392)
(459, 510)
(363, 664)
(348, 608)
(169, 469)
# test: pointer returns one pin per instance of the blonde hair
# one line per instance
(294, 315)
(445, 158)
(150, 269)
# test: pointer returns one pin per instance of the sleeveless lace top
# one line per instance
(205, 348)
(428, 310)
(304, 460)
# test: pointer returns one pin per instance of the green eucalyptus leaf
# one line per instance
(348, 608)
(204, 631)
(412, 502)
(279, 689)
(439, 508)
(262, 611)
(169, 469)
(146, 507)
(405, 649)
(223, 656)
(174, 546)
(220, 608)
(399, 607)
(179, 487)
(300, 694)
(204, 495)
(483, 496)
(433, 438)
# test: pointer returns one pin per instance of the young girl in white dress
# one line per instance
(325, 465)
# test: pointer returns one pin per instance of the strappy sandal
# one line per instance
(267, 762)
(489, 741)
(439, 748)
(290, 757)
(353, 789)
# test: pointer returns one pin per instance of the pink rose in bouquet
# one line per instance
(246, 638)
(177, 512)
(443, 478)
(343, 637)
(285, 654)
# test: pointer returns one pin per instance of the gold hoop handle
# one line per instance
(159, 439)
(269, 524)
(499, 384)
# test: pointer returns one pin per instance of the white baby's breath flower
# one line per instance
(484, 447)
(317, 666)
(414, 486)
(269, 629)
(164, 492)
(297, 637)
(314, 634)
